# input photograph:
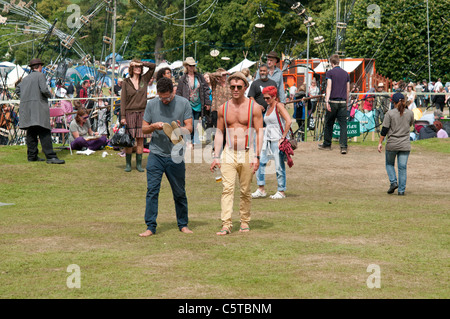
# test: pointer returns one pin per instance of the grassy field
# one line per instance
(317, 243)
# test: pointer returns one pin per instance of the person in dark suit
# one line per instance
(34, 113)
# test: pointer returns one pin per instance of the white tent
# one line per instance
(6, 64)
(15, 74)
(348, 66)
(242, 65)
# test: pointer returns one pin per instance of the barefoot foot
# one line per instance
(147, 233)
(186, 230)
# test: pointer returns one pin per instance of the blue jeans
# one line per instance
(402, 161)
(272, 148)
(176, 173)
(195, 120)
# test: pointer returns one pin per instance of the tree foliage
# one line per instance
(399, 45)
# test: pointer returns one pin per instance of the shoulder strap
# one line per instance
(279, 122)
(225, 111)
(278, 118)
(249, 124)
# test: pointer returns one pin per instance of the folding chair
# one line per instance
(56, 112)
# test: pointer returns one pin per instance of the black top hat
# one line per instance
(273, 54)
(35, 62)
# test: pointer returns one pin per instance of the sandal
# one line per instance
(177, 132)
(223, 232)
(171, 133)
(244, 230)
(277, 195)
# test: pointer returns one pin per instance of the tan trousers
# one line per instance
(236, 163)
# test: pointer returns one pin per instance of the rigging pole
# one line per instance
(113, 66)
(429, 57)
(184, 30)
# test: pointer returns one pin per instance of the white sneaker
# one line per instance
(258, 194)
(277, 195)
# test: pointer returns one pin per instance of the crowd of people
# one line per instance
(249, 116)
(415, 92)
(420, 97)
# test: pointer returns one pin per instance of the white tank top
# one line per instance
(273, 130)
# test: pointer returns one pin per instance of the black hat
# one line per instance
(273, 54)
(35, 62)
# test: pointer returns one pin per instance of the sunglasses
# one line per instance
(166, 98)
(267, 98)
(234, 87)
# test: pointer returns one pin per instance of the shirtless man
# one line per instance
(239, 118)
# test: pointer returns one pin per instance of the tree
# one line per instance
(399, 44)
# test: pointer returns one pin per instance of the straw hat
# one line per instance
(189, 61)
(238, 75)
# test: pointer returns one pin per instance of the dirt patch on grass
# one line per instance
(363, 169)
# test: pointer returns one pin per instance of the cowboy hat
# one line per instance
(35, 62)
(189, 61)
(273, 54)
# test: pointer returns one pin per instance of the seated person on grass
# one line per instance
(81, 135)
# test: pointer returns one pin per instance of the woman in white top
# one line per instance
(313, 91)
(278, 123)
(411, 96)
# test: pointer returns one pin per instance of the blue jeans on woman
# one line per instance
(272, 148)
(402, 161)
(194, 135)
(176, 173)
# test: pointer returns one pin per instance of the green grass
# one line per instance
(317, 243)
